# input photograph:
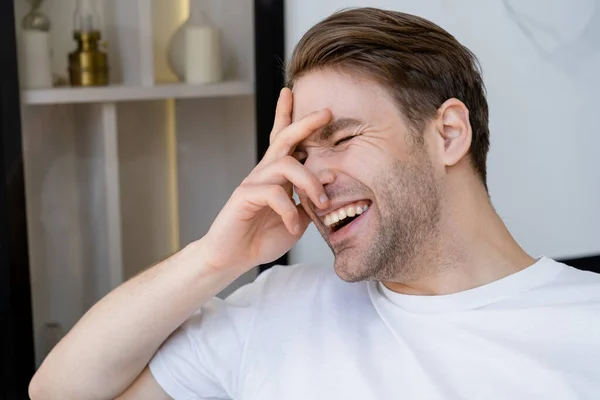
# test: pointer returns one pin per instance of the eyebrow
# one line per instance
(339, 124)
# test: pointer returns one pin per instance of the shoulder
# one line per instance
(297, 277)
(300, 289)
(577, 276)
(295, 282)
(307, 280)
(571, 276)
(572, 285)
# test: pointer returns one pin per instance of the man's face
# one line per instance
(368, 158)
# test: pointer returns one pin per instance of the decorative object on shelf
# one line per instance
(36, 64)
(195, 49)
(88, 65)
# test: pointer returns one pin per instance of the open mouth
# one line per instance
(346, 221)
(344, 216)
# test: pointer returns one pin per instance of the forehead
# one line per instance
(346, 96)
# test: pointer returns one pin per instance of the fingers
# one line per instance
(289, 170)
(283, 112)
(304, 219)
(278, 170)
(285, 141)
(275, 197)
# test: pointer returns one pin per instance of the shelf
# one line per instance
(115, 93)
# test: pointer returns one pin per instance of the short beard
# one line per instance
(408, 209)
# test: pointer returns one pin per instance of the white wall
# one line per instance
(541, 66)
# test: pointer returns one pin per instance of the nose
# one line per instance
(324, 172)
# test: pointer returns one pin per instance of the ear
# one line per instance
(455, 131)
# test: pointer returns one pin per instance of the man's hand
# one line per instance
(261, 221)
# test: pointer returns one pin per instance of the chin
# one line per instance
(351, 269)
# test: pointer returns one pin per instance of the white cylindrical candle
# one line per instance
(36, 60)
(202, 54)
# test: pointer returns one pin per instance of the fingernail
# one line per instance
(297, 228)
(323, 198)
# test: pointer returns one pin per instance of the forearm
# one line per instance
(114, 341)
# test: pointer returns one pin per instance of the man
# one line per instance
(385, 141)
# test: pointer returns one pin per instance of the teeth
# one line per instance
(339, 215)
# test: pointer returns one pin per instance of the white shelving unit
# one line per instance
(119, 177)
(117, 93)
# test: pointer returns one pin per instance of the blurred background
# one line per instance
(127, 124)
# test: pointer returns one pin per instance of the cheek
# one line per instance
(362, 162)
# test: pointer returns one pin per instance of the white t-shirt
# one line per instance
(301, 333)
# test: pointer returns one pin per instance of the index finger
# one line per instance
(283, 112)
(286, 141)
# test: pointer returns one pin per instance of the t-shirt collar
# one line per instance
(537, 274)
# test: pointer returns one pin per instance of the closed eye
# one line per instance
(343, 140)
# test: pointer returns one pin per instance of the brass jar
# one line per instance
(88, 65)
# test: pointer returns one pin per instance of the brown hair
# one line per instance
(420, 63)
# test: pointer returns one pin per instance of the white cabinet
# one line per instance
(120, 177)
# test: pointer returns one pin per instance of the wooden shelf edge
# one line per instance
(116, 93)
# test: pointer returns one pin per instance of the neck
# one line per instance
(473, 246)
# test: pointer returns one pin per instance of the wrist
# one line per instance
(214, 260)
(204, 276)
